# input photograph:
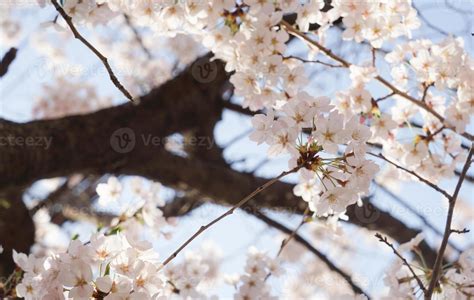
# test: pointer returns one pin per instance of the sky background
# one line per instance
(22, 85)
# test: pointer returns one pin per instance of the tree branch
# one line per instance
(17, 230)
(83, 144)
(229, 212)
(104, 60)
(138, 37)
(382, 80)
(447, 230)
(7, 59)
(405, 262)
(90, 143)
(273, 223)
(412, 210)
(427, 182)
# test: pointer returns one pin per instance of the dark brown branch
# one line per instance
(374, 56)
(181, 205)
(104, 59)
(291, 30)
(468, 178)
(313, 61)
(238, 108)
(379, 146)
(412, 210)
(431, 135)
(427, 182)
(7, 59)
(293, 233)
(384, 97)
(52, 198)
(405, 262)
(462, 231)
(229, 212)
(425, 92)
(91, 144)
(273, 223)
(447, 230)
(288, 239)
(138, 37)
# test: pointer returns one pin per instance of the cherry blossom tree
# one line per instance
(103, 176)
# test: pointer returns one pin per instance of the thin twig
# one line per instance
(287, 240)
(138, 37)
(405, 262)
(431, 135)
(384, 97)
(313, 61)
(292, 235)
(373, 57)
(7, 60)
(326, 51)
(447, 229)
(309, 247)
(428, 23)
(379, 146)
(462, 231)
(429, 183)
(379, 78)
(259, 165)
(104, 59)
(425, 92)
(420, 104)
(229, 212)
(423, 219)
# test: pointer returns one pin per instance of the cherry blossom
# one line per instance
(109, 192)
(325, 137)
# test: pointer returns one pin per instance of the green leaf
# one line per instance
(115, 230)
(4, 203)
(107, 270)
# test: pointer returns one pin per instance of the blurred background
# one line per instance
(54, 75)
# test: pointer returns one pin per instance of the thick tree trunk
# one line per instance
(17, 230)
(108, 138)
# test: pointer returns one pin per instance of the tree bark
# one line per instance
(89, 143)
(17, 230)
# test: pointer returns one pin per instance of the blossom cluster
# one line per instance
(85, 269)
(444, 65)
(198, 271)
(455, 282)
(65, 96)
(247, 35)
(109, 267)
(253, 284)
(436, 68)
(143, 214)
(327, 138)
(376, 21)
(118, 262)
